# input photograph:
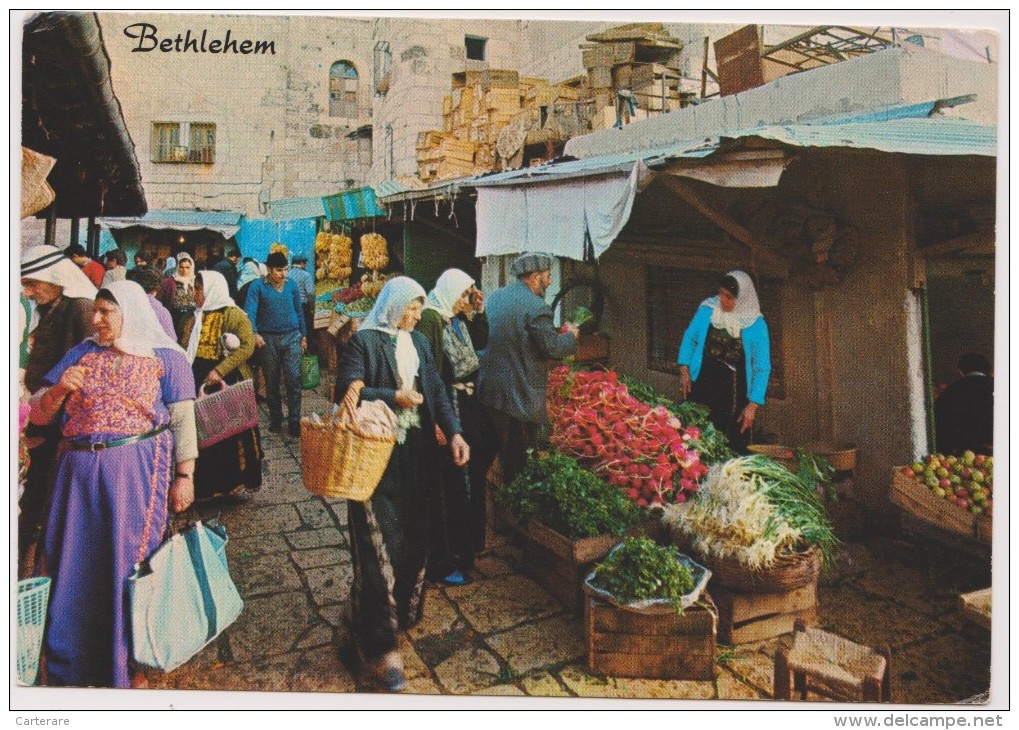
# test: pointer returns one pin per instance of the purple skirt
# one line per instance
(93, 537)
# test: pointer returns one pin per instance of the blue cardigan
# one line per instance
(756, 345)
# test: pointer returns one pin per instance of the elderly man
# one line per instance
(514, 367)
(63, 296)
(275, 309)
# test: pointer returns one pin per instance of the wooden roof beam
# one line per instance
(726, 223)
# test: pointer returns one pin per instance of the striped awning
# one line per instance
(352, 205)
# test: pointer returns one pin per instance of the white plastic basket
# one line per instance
(33, 598)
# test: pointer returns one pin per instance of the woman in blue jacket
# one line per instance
(725, 358)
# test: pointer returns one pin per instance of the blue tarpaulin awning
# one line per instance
(256, 236)
(226, 223)
(287, 209)
(352, 205)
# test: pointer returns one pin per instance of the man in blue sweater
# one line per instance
(276, 312)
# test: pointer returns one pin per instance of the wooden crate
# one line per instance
(744, 618)
(583, 551)
(914, 497)
(654, 643)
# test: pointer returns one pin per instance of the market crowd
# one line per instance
(115, 361)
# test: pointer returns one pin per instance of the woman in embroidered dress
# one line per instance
(725, 358)
(389, 532)
(125, 400)
(455, 324)
(177, 292)
(219, 340)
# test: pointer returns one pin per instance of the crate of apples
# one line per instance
(966, 480)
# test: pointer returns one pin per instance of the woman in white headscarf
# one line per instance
(219, 341)
(124, 400)
(455, 324)
(389, 532)
(177, 292)
(725, 357)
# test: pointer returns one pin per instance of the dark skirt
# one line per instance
(458, 512)
(724, 391)
(233, 464)
(388, 545)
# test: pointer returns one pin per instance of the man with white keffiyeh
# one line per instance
(61, 296)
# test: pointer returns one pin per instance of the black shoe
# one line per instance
(275, 427)
(295, 430)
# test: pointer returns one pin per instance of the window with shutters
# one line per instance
(193, 142)
(383, 62)
(673, 296)
(343, 90)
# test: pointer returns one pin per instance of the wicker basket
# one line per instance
(788, 573)
(338, 460)
(784, 455)
(841, 456)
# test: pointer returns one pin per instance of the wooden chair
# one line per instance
(836, 667)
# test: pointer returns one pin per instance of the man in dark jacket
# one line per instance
(514, 367)
(63, 297)
(964, 412)
(228, 268)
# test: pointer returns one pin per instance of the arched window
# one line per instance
(343, 90)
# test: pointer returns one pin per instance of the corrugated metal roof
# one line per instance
(225, 222)
(903, 136)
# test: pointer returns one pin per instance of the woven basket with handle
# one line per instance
(788, 573)
(340, 461)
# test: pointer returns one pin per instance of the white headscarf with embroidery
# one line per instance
(217, 296)
(744, 314)
(141, 333)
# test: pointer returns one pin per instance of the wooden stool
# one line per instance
(849, 671)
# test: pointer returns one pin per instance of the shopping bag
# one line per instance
(182, 597)
(226, 412)
(309, 372)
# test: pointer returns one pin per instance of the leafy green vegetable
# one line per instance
(813, 468)
(640, 569)
(581, 316)
(568, 498)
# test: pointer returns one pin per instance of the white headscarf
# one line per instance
(393, 300)
(141, 333)
(217, 296)
(744, 314)
(450, 287)
(249, 272)
(49, 264)
(186, 280)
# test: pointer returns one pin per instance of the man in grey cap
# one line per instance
(62, 318)
(514, 367)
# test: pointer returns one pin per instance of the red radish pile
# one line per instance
(643, 450)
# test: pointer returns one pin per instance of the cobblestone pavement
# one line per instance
(503, 635)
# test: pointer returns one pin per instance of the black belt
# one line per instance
(100, 446)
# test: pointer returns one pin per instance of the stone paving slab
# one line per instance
(849, 613)
(546, 642)
(305, 538)
(468, 670)
(439, 618)
(940, 669)
(330, 584)
(543, 684)
(733, 688)
(269, 625)
(755, 668)
(320, 557)
(502, 602)
(314, 514)
(583, 684)
(263, 520)
(262, 574)
(321, 670)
